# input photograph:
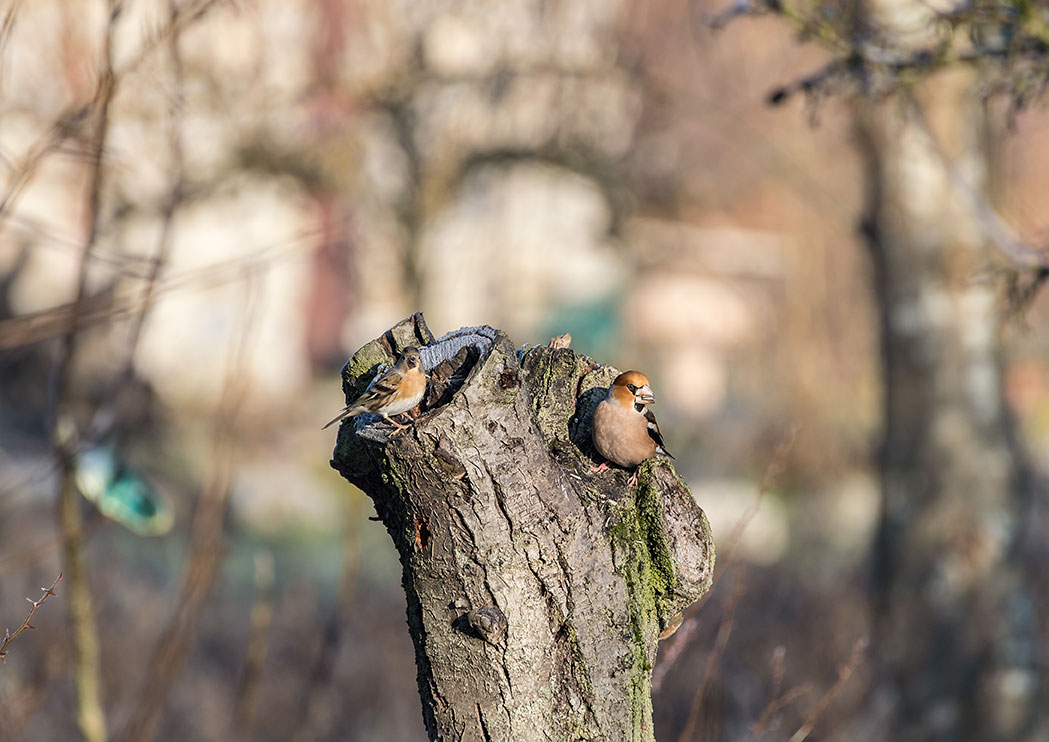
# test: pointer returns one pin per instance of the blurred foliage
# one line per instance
(1009, 41)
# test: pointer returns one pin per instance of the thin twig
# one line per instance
(861, 58)
(720, 642)
(50, 323)
(258, 646)
(10, 726)
(22, 173)
(68, 124)
(8, 636)
(775, 467)
(998, 231)
(205, 551)
(23, 703)
(778, 667)
(177, 157)
(86, 655)
(312, 704)
(844, 673)
(105, 415)
(775, 706)
(178, 21)
(681, 639)
(6, 28)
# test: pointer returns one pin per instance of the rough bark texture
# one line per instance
(536, 590)
(955, 624)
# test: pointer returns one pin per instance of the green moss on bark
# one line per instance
(630, 553)
(662, 579)
(552, 377)
(643, 557)
(360, 369)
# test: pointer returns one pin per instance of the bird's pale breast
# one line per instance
(410, 393)
(621, 435)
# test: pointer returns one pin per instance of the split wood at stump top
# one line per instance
(536, 590)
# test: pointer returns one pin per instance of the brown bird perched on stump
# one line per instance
(624, 430)
(396, 391)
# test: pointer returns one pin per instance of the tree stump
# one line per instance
(536, 589)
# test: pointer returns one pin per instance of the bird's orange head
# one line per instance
(632, 387)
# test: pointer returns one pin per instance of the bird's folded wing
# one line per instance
(654, 434)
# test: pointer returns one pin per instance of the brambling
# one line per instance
(393, 392)
(624, 430)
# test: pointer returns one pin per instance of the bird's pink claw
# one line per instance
(396, 424)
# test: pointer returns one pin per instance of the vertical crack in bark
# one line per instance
(500, 500)
(480, 722)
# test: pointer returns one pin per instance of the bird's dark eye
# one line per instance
(631, 387)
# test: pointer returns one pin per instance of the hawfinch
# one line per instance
(397, 390)
(624, 430)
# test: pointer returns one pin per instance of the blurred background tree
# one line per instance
(956, 628)
(260, 187)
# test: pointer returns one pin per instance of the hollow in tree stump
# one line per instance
(536, 590)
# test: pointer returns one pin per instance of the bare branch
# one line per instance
(1019, 252)
(312, 700)
(50, 323)
(258, 645)
(87, 663)
(775, 706)
(6, 27)
(844, 673)
(720, 642)
(8, 636)
(999, 32)
(205, 551)
(682, 638)
(70, 122)
(104, 414)
(177, 158)
(775, 467)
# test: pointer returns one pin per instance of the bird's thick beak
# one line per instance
(644, 394)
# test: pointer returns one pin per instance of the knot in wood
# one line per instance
(488, 622)
(509, 379)
(447, 458)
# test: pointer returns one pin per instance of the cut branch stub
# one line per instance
(536, 590)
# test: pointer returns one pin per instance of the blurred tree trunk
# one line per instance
(954, 616)
(536, 590)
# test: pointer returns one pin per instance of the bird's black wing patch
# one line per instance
(383, 388)
(654, 434)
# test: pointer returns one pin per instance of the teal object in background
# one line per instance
(121, 494)
(594, 325)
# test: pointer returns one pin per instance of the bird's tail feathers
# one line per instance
(348, 412)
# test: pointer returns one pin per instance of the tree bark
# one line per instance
(535, 589)
(954, 618)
